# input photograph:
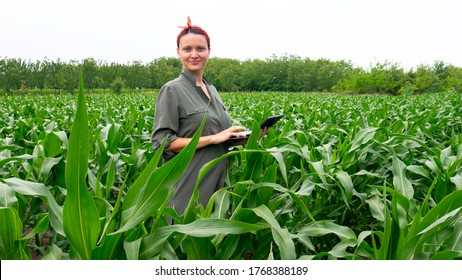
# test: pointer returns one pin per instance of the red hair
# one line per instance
(192, 29)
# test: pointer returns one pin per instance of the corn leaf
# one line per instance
(10, 233)
(52, 145)
(321, 228)
(227, 247)
(40, 190)
(209, 165)
(16, 158)
(110, 178)
(53, 253)
(8, 197)
(376, 207)
(254, 166)
(197, 248)
(347, 185)
(438, 219)
(80, 215)
(41, 226)
(281, 236)
(152, 188)
(362, 137)
(152, 244)
(400, 181)
(133, 195)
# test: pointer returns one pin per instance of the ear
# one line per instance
(178, 52)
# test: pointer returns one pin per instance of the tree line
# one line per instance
(276, 73)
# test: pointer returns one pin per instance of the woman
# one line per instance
(181, 105)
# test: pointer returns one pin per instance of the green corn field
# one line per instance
(373, 177)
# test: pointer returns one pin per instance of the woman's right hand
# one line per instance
(178, 144)
(233, 131)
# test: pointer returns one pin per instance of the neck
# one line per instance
(198, 76)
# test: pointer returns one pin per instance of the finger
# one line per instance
(237, 128)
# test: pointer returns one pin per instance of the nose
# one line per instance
(194, 53)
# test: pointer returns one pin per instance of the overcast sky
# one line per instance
(408, 32)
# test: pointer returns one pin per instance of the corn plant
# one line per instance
(340, 177)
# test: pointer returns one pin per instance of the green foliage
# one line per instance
(224, 73)
(80, 215)
(283, 73)
(163, 70)
(381, 78)
(117, 85)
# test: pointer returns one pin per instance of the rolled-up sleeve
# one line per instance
(166, 120)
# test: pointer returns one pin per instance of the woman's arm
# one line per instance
(178, 144)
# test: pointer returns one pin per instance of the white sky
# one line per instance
(408, 32)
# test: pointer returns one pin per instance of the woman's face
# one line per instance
(193, 52)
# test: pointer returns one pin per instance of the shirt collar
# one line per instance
(192, 78)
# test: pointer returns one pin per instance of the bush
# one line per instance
(117, 85)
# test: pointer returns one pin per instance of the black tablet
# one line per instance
(268, 122)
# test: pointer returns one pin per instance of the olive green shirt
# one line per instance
(180, 109)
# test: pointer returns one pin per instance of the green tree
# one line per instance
(41, 74)
(224, 73)
(276, 73)
(117, 85)
(382, 78)
(328, 73)
(90, 73)
(107, 73)
(453, 81)
(13, 74)
(254, 77)
(387, 77)
(164, 69)
(137, 76)
(57, 77)
(424, 79)
(298, 75)
(71, 76)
